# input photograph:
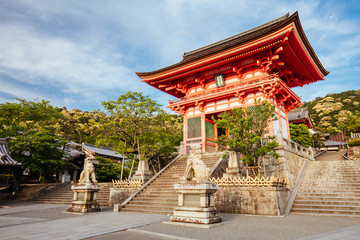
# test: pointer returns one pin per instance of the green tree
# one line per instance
(32, 136)
(79, 126)
(317, 139)
(108, 170)
(137, 124)
(246, 132)
(300, 133)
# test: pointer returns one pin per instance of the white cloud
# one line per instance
(89, 51)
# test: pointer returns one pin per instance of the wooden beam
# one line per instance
(278, 50)
(169, 88)
(275, 57)
(163, 85)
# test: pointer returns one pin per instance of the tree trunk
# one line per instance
(131, 169)
(122, 164)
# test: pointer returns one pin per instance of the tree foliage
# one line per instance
(336, 112)
(300, 133)
(246, 131)
(136, 124)
(32, 137)
(108, 170)
(79, 126)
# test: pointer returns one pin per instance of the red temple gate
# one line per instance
(262, 63)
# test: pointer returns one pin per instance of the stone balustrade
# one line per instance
(294, 147)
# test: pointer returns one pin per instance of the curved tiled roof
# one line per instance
(5, 158)
(108, 152)
(243, 38)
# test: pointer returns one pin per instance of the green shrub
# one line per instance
(354, 142)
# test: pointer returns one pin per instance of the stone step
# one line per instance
(158, 199)
(167, 207)
(326, 211)
(328, 193)
(332, 172)
(330, 188)
(332, 185)
(155, 196)
(331, 180)
(150, 190)
(155, 202)
(323, 214)
(160, 196)
(328, 198)
(327, 206)
(141, 210)
(327, 202)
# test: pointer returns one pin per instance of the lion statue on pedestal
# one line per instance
(89, 170)
(196, 169)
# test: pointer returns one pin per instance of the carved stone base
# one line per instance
(143, 173)
(144, 176)
(85, 195)
(196, 203)
(232, 172)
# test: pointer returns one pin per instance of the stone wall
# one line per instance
(354, 153)
(119, 195)
(29, 191)
(252, 200)
(288, 165)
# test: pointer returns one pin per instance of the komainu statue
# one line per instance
(89, 170)
(196, 169)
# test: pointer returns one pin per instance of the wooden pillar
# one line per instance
(287, 125)
(203, 131)
(185, 136)
(216, 137)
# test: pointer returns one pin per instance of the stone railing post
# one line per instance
(279, 138)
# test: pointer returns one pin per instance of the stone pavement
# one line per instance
(44, 221)
(73, 226)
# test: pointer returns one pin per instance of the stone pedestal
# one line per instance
(143, 173)
(232, 173)
(196, 203)
(85, 195)
(233, 170)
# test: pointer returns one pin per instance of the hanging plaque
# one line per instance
(219, 80)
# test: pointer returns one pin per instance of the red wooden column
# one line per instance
(203, 131)
(185, 136)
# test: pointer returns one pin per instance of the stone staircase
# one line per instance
(64, 195)
(329, 188)
(159, 196)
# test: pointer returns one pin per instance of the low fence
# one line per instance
(127, 183)
(250, 182)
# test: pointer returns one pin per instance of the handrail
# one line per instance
(345, 156)
(148, 182)
(216, 165)
(320, 153)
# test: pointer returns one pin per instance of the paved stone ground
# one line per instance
(332, 156)
(48, 221)
(45, 221)
(254, 227)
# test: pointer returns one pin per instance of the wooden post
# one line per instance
(122, 163)
(203, 132)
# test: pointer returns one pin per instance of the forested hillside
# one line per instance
(336, 112)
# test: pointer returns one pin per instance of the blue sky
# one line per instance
(78, 53)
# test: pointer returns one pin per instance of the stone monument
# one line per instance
(233, 170)
(143, 173)
(196, 193)
(85, 192)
